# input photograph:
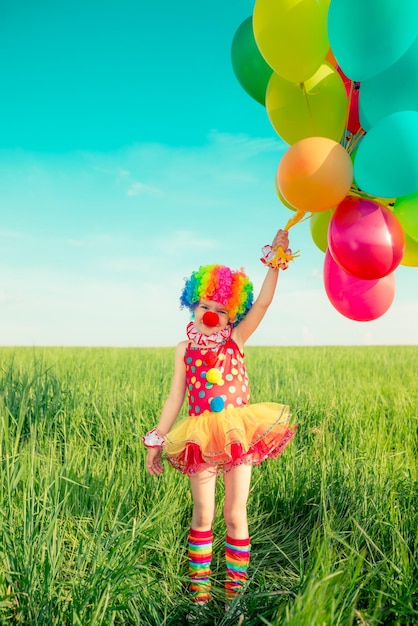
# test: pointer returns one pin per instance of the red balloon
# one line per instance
(365, 238)
(353, 91)
(355, 298)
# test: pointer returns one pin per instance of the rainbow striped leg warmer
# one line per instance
(200, 557)
(237, 557)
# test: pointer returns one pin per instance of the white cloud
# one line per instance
(136, 188)
(11, 234)
(128, 264)
(47, 307)
(183, 241)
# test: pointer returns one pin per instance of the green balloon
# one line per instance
(250, 68)
(406, 210)
(410, 257)
(318, 224)
(317, 107)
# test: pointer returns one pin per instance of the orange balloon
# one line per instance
(281, 197)
(315, 174)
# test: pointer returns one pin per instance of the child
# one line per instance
(223, 433)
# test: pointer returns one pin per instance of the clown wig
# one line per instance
(219, 283)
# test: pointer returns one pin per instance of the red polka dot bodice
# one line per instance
(216, 378)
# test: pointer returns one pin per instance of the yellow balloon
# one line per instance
(292, 35)
(318, 107)
(410, 257)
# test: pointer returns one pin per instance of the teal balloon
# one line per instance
(250, 68)
(395, 89)
(367, 36)
(386, 163)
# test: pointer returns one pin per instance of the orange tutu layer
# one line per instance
(248, 434)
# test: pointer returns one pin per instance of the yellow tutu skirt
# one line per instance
(248, 434)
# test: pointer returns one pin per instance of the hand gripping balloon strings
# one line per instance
(274, 256)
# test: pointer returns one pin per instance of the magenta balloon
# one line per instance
(365, 238)
(355, 298)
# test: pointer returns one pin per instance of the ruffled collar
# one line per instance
(198, 338)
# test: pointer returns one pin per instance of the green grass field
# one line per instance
(88, 538)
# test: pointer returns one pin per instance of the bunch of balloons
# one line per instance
(339, 82)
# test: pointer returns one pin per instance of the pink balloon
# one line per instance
(365, 238)
(355, 298)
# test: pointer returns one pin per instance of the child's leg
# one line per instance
(203, 485)
(237, 545)
(237, 488)
(200, 536)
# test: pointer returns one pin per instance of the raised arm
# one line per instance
(254, 316)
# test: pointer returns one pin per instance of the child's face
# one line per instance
(217, 320)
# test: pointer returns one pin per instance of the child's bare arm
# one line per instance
(254, 316)
(170, 410)
(175, 398)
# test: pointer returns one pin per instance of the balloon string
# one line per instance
(386, 202)
(299, 216)
(311, 117)
(354, 140)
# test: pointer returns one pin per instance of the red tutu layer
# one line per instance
(220, 441)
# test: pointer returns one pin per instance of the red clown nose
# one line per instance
(210, 318)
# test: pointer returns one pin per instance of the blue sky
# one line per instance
(129, 156)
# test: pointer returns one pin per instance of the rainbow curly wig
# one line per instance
(219, 283)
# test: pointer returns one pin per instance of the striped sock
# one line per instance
(237, 556)
(200, 557)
